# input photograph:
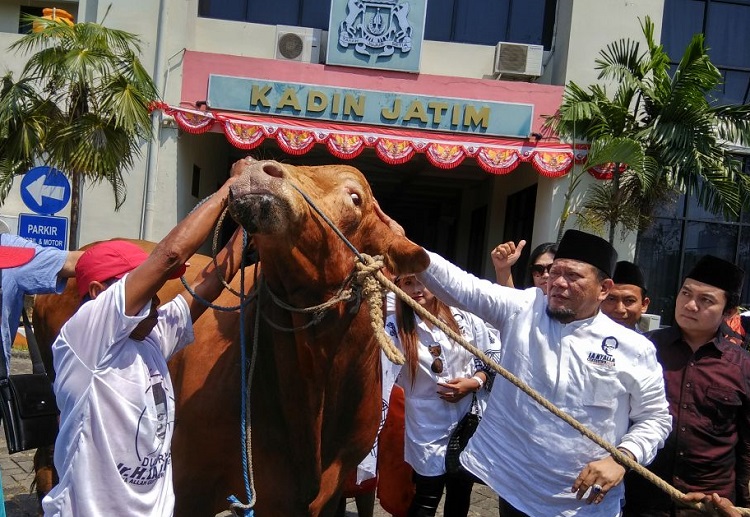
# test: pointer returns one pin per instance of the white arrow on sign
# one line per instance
(38, 190)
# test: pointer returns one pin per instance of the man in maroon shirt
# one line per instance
(707, 380)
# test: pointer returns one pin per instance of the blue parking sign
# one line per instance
(45, 230)
(45, 190)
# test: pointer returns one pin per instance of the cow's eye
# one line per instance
(356, 199)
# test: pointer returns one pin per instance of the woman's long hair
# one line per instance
(407, 330)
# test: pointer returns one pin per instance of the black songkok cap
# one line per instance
(718, 273)
(628, 273)
(587, 248)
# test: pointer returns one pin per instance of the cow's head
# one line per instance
(265, 202)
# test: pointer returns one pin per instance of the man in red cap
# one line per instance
(113, 388)
(707, 379)
(28, 269)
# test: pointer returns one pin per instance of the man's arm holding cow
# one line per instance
(68, 269)
(174, 250)
(458, 288)
(208, 284)
(493, 303)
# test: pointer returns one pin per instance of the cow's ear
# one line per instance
(403, 256)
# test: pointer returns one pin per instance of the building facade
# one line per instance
(436, 161)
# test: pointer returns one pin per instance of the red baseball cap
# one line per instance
(14, 256)
(111, 259)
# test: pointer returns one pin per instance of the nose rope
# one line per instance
(366, 265)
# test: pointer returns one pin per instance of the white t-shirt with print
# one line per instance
(430, 420)
(116, 401)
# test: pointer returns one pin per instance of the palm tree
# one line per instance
(80, 106)
(659, 134)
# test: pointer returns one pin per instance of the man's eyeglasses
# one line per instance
(540, 269)
(436, 351)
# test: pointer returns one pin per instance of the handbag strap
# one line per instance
(4, 362)
(37, 364)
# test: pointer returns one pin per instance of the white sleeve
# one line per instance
(175, 326)
(649, 410)
(491, 302)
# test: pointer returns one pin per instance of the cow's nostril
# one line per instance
(273, 169)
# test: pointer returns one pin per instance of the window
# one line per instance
(483, 22)
(683, 232)
(724, 24)
(23, 26)
(195, 184)
(301, 13)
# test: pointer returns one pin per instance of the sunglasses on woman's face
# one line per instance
(436, 351)
(540, 269)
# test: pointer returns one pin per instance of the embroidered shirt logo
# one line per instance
(609, 344)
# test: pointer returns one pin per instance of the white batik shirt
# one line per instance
(602, 374)
(429, 419)
(116, 402)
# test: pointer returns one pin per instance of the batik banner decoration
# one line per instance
(393, 146)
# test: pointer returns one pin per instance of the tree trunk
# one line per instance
(616, 188)
(575, 179)
(75, 209)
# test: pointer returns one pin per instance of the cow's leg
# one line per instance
(45, 475)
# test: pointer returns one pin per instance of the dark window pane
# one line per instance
(223, 9)
(727, 34)
(484, 22)
(24, 27)
(743, 252)
(701, 239)
(277, 12)
(682, 19)
(659, 258)
(671, 208)
(527, 21)
(695, 211)
(316, 13)
(439, 20)
(734, 89)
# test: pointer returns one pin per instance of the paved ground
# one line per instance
(17, 471)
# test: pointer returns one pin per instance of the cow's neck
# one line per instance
(323, 383)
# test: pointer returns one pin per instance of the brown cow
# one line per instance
(315, 398)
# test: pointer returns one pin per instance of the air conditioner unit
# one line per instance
(300, 44)
(518, 60)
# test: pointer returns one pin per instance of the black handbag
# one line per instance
(460, 437)
(29, 411)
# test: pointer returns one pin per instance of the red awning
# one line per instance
(394, 146)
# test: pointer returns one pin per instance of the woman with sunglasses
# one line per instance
(506, 254)
(439, 380)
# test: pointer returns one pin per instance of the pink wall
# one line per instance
(198, 65)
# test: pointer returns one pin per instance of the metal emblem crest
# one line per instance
(376, 24)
